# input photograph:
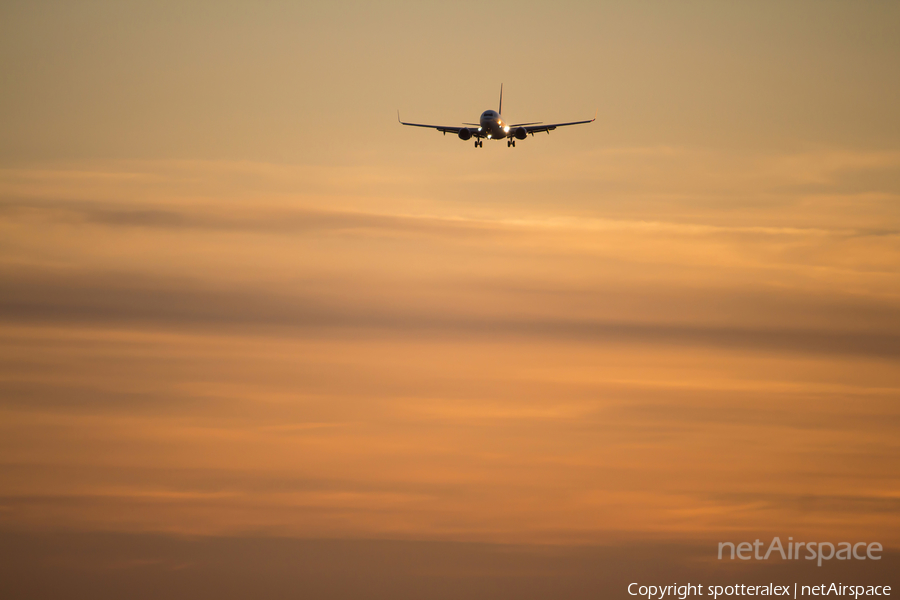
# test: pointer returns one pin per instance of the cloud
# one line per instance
(218, 348)
(117, 300)
(259, 219)
(145, 565)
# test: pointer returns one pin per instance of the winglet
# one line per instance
(398, 116)
(500, 110)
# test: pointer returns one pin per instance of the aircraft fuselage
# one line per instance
(493, 125)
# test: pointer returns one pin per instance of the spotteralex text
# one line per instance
(681, 592)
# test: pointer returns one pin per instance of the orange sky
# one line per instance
(239, 299)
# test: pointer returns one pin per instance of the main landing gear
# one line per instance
(510, 143)
(479, 143)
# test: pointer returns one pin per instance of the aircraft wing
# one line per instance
(444, 129)
(548, 127)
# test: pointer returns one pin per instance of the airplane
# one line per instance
(492, 126)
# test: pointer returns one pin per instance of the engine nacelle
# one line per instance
(465, 134)
(521, 133)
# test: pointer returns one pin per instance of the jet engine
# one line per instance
(464, 134)
(521, 133)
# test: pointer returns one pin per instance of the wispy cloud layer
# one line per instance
(228, 348)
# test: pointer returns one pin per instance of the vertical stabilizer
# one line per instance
(500, 110)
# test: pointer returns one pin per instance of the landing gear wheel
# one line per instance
(476, 143)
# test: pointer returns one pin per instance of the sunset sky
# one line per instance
(241, 306)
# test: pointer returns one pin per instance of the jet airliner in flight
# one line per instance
(493, 127)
